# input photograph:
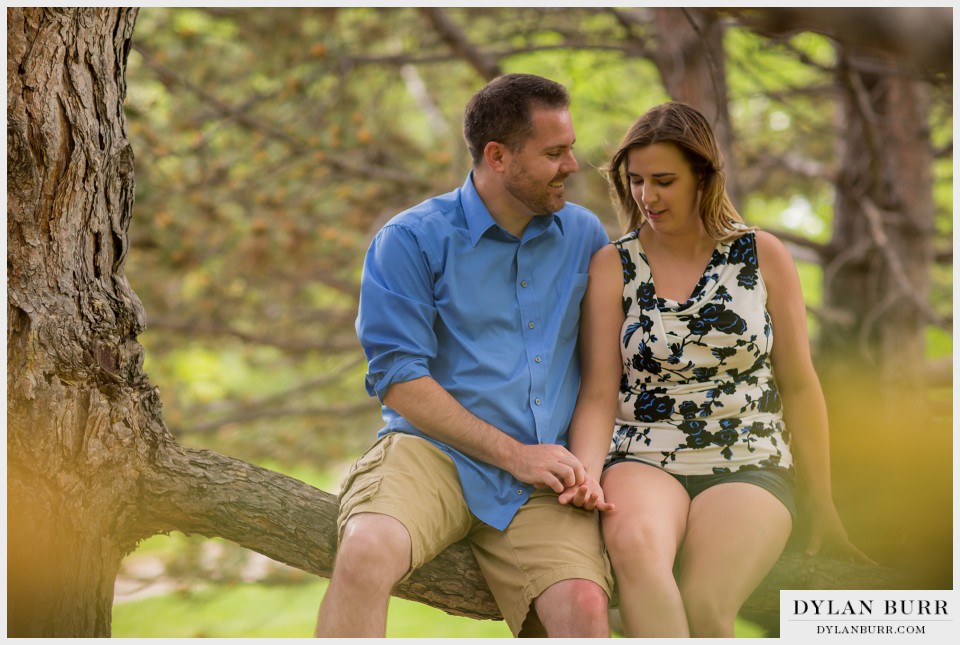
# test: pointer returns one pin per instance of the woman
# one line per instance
(700, 471)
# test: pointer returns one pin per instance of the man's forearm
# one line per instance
(431, 409)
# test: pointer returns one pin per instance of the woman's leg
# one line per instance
(642, 535)
(735, 533)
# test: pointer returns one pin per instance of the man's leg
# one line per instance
(374, 555)
(547, 569)
(574, 609)
(401, 504)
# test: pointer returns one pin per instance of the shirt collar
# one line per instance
(479, 219)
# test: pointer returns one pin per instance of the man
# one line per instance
(469, 313)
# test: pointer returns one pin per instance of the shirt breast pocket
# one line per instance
(569, 296)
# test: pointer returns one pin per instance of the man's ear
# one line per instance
(495, 154)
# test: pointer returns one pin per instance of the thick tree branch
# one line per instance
(922, 37)
(286, 520)
(294, 523)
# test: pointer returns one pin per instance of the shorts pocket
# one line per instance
(367, 462)
(362, 489)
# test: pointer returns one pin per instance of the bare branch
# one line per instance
(421, 94)
(365, 169)
(484, 64)
(270, 406)
(631, 48)
(335, 345)
(815, 251)
(760, 164)
(832, 316)
(906, 289)
(862, 104)
(258, 413)
(945, 151)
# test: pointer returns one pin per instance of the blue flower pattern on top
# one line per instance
(698, 394)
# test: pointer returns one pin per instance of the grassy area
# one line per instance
(262, 611)
(257, 610)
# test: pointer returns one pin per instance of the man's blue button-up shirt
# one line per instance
(447, 293)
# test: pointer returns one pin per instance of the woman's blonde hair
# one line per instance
(687, 129)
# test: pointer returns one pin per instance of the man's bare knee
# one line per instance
(574, 608)
(374, 550)
(589, 598)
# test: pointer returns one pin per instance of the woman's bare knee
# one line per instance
(639, 552)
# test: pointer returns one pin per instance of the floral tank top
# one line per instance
(698, 394)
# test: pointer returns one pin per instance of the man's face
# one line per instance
(536, 173)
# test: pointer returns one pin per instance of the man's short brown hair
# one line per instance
(502, 111)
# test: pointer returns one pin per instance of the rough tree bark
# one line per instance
(91, 467)
(76, 396)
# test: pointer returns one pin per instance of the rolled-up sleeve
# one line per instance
(397, 310)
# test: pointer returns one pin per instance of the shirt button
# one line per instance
(531, 325)
(519, 492)
(537, 401)
(523, 284)
(537, 359)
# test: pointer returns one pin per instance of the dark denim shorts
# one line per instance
(778, 481)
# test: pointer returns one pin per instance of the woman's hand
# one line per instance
(588, 495)
(827, 531)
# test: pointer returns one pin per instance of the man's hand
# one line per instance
(588, 495)
(547, 466)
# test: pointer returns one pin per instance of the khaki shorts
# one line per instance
(413, 481)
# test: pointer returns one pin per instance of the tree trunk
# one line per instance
(75, 389)
(882, 245)
(690, 58)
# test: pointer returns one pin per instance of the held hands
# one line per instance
(547, 466)
(555, 467)
(588, 495)
(826, 530)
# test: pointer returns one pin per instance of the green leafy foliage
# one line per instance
(272, 144)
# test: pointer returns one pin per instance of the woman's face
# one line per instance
(665, 188)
